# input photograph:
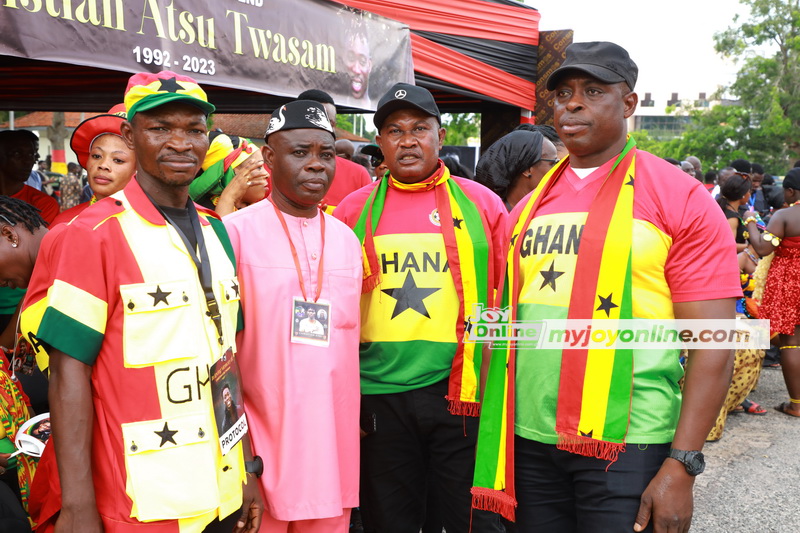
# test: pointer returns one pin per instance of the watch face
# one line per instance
(695, 463)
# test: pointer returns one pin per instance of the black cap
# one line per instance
(298, 115)
(403, 96)
(608, 62)
(372, 150)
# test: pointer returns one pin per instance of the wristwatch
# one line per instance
(694, 461)
(256, 466)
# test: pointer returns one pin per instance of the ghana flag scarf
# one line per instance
(469, 254)
(593, 406)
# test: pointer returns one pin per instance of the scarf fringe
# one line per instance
(589, 447)
(495, 501)
(461, 407)
(370, 283)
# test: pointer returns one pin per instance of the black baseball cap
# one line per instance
(608, 62)
(403, 96)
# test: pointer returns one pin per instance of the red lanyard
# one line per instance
(297, 260)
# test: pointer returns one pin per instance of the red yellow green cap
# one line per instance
(147, 91)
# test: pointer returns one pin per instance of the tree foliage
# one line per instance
(460, 127)
(767, 45)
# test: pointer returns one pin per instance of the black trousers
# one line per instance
(560, 492)
(417, 446)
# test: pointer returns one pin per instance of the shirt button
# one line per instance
(314, 256)
(305, 223)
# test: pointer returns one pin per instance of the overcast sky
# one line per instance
(671, 42)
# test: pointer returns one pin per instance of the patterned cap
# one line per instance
(147, 91)
(299, 114)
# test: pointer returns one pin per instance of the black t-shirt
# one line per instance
(180, 216)
(729, 213)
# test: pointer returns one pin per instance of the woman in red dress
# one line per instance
(781, 302)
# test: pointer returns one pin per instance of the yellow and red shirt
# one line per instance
(117, 290)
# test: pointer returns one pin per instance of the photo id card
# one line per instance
(226, 392)
(311, 322)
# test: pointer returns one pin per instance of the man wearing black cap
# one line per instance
(430, 245)
(298, 264)
(602, 440)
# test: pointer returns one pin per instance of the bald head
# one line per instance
(345, 149)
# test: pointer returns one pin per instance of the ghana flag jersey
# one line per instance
(408, 322)
(682, 251)
(116, 289)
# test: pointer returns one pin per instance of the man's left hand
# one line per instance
(252, 507)
(668, 500)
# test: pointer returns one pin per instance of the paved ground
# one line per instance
(752, 478)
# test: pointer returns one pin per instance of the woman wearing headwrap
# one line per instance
(233, 175)
(515, 164)
(781, 302)
(108, 161)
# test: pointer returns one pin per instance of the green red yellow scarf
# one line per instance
(469, 254)
(594, 395)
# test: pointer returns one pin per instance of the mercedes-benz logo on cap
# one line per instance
(400, 94)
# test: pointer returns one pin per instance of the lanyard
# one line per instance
(297, 260)
(202, 263)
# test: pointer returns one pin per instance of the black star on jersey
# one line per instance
(159, 296)
(550, 276)
(409, 296)
(514, 238)
(457, 222)
(606, 304)
(630, 182)
(166, 435)
(235, 288)
(170, 85)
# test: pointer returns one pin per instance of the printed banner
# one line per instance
(268, 46)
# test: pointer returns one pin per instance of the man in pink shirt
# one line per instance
(301, 385)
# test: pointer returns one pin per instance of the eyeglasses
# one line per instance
(553, 162)
(7, 221)
(376, 161)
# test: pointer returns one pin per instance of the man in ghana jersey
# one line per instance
(136, 304)
(430, 243)
(611, 232)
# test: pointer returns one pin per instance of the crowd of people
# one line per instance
(231, 338)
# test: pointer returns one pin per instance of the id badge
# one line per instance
(226, 391)
(311, 322)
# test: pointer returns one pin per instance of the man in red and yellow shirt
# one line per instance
(133, 305)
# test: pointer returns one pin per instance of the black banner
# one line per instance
(268, 46)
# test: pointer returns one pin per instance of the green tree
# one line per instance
(460, 127)
(768, 83)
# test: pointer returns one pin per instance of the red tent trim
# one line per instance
(469, 18)
(445, 64)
